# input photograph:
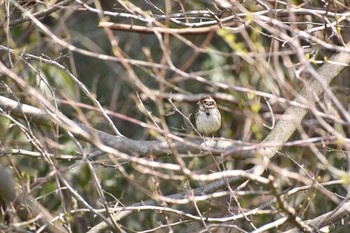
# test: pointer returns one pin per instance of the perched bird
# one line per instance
(208, 117)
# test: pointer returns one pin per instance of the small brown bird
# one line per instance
(208, 117)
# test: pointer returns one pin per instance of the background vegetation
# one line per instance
(97, 105)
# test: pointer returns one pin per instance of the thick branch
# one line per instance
(123, 144)
(293, 116)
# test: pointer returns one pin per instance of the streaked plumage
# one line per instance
(208, 118)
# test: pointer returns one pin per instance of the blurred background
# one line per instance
(251, 60)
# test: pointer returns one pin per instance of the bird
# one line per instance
(208, 117)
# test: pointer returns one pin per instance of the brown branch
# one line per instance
(152, 30)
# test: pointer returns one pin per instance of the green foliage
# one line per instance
(60, 81)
